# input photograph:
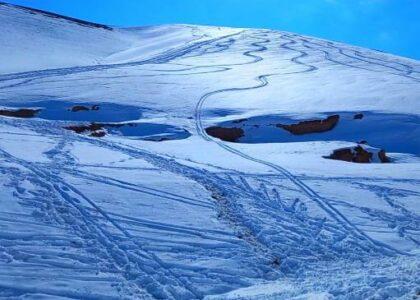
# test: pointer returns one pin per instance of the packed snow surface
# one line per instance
(160, 209)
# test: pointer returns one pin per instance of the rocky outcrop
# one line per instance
(359, 154)
(225, 134)
(19, 113)
(311, 126)
(345, 154)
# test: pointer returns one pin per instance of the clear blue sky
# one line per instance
(388, 25)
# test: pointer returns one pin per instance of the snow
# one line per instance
(191, 217)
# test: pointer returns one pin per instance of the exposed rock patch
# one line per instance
(85, 128)
(383, 157)
(311, 126)
(19, 113)
(358, 116)
(239, 121)
(144, 131)
(225, 134)
(78, 108)
(359, 154)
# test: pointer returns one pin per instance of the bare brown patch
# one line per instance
(358, 155)
(312, 126)
(225, 134)
(19, 113)
(361, 155)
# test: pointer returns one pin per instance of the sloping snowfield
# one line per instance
(148, 205)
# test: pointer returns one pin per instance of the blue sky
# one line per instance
(388, 25)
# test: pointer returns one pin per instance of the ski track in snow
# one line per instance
(255, 208)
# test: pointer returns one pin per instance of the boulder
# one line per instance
(358, 116)
(19, 113)
(84, 128)
(383, 157)
(78, 108)
(312, 126)
(345, 154)
(360, 154)
(225, 134)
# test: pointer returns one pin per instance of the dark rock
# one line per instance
(312, 126)
(358, 154)
(84, 128)
(19, 113)
(345, 154)
(239, 121)
(361, 155)
(358, 116)
(383, 157)
(225, 134)
(363, 142)
(98, 133)
(77, 108)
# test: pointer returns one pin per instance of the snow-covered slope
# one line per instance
(111, 186)
(34, 40)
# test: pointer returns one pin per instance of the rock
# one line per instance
(19, 113)
(83, 128)
(77, 108)
(345, 154)
(361, 155)
(225, 134)
(383, 157)
(358, 116)
(98, 133)
(311, 126)
(363, 142)
(239, 121)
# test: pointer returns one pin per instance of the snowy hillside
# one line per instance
(192, 162)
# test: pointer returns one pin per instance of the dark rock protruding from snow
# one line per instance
(360, 154)
(19, 113)
(383, 157)
(78, 108)
(358, 116)
(312, 126)
(225, 134)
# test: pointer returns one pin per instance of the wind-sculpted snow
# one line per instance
(190, 217)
